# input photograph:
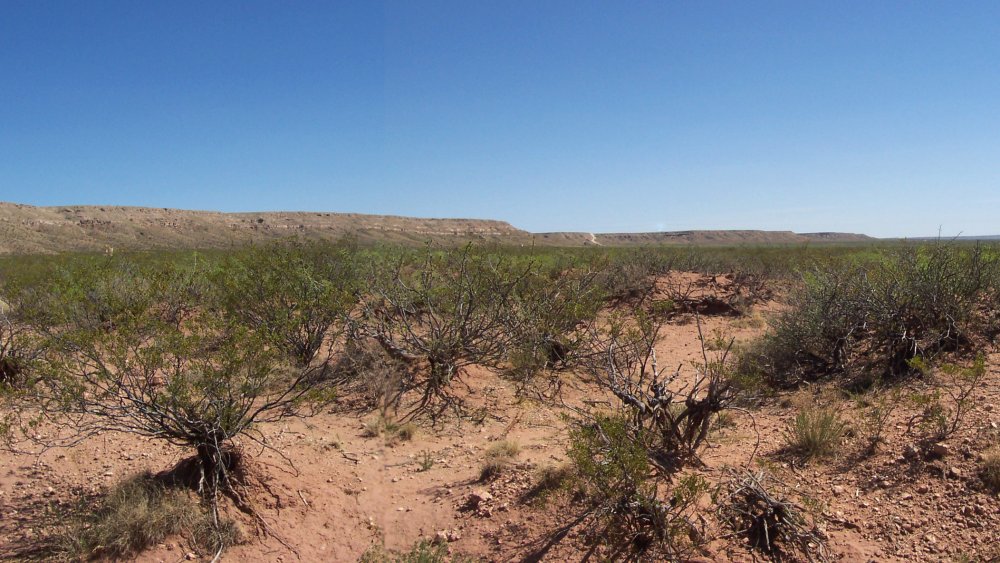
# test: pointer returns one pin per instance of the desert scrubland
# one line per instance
(306, 400)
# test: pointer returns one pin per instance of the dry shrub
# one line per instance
(989, 469)
(769, 523)
(366, 370)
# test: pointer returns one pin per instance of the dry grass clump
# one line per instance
(137, 513)
(550, 479)
(989, 469)
(815, 433)
(497, 458)
(392, 430)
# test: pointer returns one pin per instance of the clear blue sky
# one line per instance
(876, 117)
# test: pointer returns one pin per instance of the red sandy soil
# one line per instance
(339, 492)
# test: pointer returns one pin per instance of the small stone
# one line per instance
(838, 490)
(954, 473)
(190, 556)
(440, 537)
(478, 497)
(941, 450)
(923, 488)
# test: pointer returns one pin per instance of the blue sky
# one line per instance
(875, 117)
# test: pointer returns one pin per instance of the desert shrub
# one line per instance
(627, 461)
(814, 335)
(989, 469)
(553, 308)
(875, 410)
(206, 383)
(673, 421)
(768, 522)
(445, 310)
(627, 275)
(294, 292)
(20, 348)
(921, 301)
(815, 432)
(497, 458)
(367, 370)
(938, 417)
(867, 318)
(615, 474)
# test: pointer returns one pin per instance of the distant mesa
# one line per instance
(28, 229)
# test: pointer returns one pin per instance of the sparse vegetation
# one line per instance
(135, 514)
(989, 469)
(422, 552)
(768, 523)
(207, 350)
(815, 433)
(866, 319)
(497, 458)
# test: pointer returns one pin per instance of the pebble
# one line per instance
(941, 450)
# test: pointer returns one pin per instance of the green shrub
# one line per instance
(114, 363)
(294, 292)
(871, 316)
(614, 472)
(445, 310)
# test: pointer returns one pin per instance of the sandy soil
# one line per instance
(338, 492)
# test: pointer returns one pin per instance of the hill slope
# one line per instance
(30, 229)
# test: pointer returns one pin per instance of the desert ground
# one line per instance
(330, 489)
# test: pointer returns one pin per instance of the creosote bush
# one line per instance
(944, 406)
(768, 522)
(443, 310)
(202, 380)
(628, 461)
(867, 318)
(295, 293)
(634, 507)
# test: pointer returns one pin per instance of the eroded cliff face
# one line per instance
(25, 228)
(29, 229)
